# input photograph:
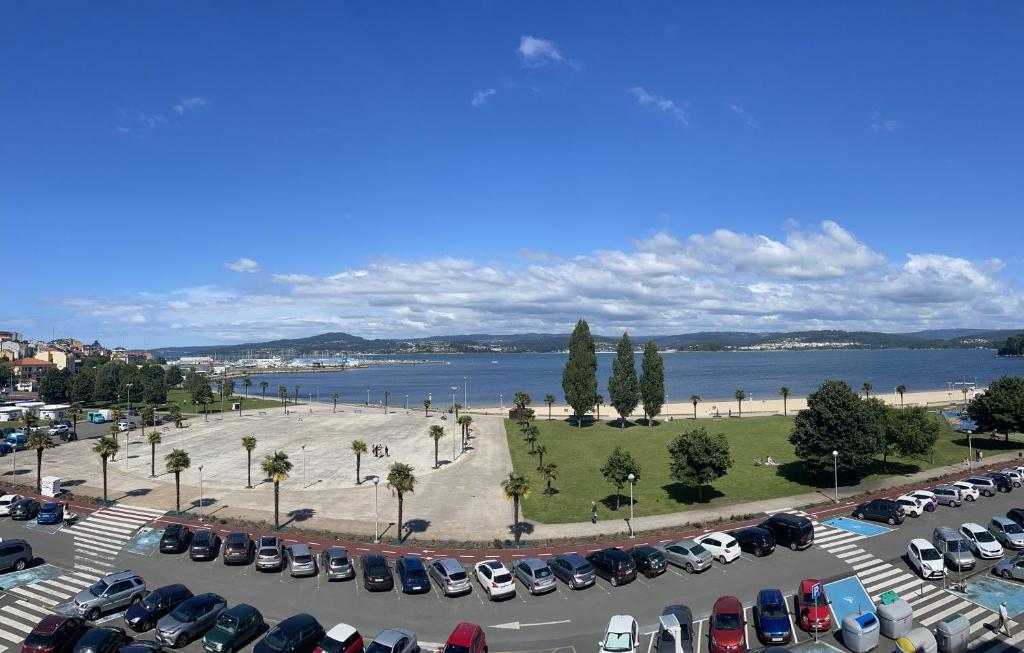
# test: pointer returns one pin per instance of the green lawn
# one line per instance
(580, 453)
(181, 397)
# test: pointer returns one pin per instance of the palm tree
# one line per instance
(40, 441)
(516, 489)
(901, 390)
(532, 434)
(282, 392)
(387, 393)
(113, 431)
(550, 473)
(276, 466)
(598, 402)
(76, 414)
(176, 462)
(550, 401)
(249, 444)
(464, 422)
(866, 387)
(436, 433)
(146, 414)
(263, 388)
(335, 397)
(541, 450)
(106, 448)
(204, 400)
(296, 400)
(740, 396)
(116, 415)
(359, 448)
(784, 391)
(401, 481)
(246, 382)
(174, 412)
(153, 439)
(426, 408)
(694, 399)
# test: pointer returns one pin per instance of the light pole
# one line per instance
(200, 493)
(465, 393)
(631, 478)
(128, 418)
(376, 519)
(223, 382)
(835, 471)
(454, 388)
(303, 465)
(367, 396)
(407, 402)
(311, 402)
(501, 401)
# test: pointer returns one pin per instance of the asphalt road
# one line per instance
(527, 623)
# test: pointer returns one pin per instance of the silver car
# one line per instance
(394, 640)
(535, 575)
(573, 569)
(954, 548)
(687, 554)
(111, 592)
(948, 495)
(269, 554)
(301, 561)
(1008, 532)
(450, 576)
(1010, 569)
(337, 564)
(191, 619)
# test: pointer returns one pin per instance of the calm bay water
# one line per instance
(712, 375)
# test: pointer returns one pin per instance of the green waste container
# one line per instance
(889, 597)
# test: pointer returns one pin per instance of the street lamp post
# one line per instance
(835, 471)
(376, 518)
(128, 418)
(200, 493)
(454, 388)
(501, 401)
(407, 402)
(367, 396)
(465, 393)
(631, 478)
(303, 465)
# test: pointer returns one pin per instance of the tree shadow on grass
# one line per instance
(609, 501)
(797, 473)
(988, 443)
(689, 496)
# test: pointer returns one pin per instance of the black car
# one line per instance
(298, 634)
(794, 531)
(204, 544)
(648, 560)
(238, 548)
(885, 510)
(142, 616)
(143, 646)
(101, 640)
(1003, 482)
(377, 573)
(755, 540)
(614, 565)
(24, 509)
(175, 539)
(1016, 515)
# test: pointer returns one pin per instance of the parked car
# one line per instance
(7, 500)
(24, 509)
(18, 440)
(986, 486)
(771, 617)
(614, 565)
(755, 540)
(727, 627)
(675, 630)
(191, 619)
(125, 426)
(101, 640)
(968, 491)
(412, 574)
(50, 512)
(794, 531)
(948, 495)
(722, 546)
(1003, 482)
(954, 548)
(466, 638)
(648, 561)
(686, 554)
(811, 606)
(297, 634)
(928, 499)
(337, 564)
(1008, 532)
(113, 591)
(885, 510)
(142, 646)
(494, 579)
(1014, 475)
(1010, 569)
(301, 561)
(238, 548)
(269, 553)
(69, 436)
(233, 629)
(450, 576)
(926, 559)
(5, 448)
(573, 570)
(341, 639)
(983, 544)
(912, 506)
(1016, 515)
(622, 635)
(54, 633)
(204, 544)
(175, 539)
(142, 616)
(15, 554)
(57, 429)
(534, 575)
(394, 640)
(377, 573)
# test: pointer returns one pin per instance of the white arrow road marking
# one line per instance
(515, 625)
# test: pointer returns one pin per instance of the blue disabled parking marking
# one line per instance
(847, 596)
(28, 576)
(145, 542)
(856, 526)
(49, 529)
(989, 592)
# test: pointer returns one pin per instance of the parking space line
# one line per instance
(746, 623)
(700, 638)
(792, 624)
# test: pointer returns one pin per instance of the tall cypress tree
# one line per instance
(623, 387)
(652, 383)
(579, 378)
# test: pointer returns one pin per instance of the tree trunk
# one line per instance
(248, 468)
(515, 520)
(152, 459)
(700, 492)
(277, 505)
(549, 412)
(39, 471)
(695, 410)
(335, 405)
(386, 407)
(784, 412)
(104, 479)
(618, 494)
(177, 491)
(436, 465)
(359, 477)
(401, 502)
(741, 407)
(426, 411)
(541, 466)
(549, 487)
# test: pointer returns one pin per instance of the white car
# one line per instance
(926, 559)
(928, 500)
(967, 490)
(495, 579)
(6, 501)
(124, 426)
(723, 547)
(912, 506)
(983, 543)
(621, 636)
(57, 429)
(1015, 475)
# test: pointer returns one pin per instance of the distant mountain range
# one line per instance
(337, 343)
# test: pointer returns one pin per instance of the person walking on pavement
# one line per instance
(593, 512)
(1004, 619)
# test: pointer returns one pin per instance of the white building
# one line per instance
(54, 411)
(30, 406)
(10, 413)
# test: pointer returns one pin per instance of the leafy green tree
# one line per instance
(1014, 346)
(866, 387)
(878, 414)
(579, 378)
(652, 382)
(540, 451)
(549, 473)
(550, 401)
(901, 390)
(436, 432)
(172, 377)
(740, 396)
(203, 395)
(617, 468)
(401, 481)
(146, 417)
(177, 462)
(82, 385)
(54, 385)
(282, 392)
(531, 435)
(105, 383)
(335, 397)
(835, 419)
(516, 489)
(246, 383)
(263, 389)
(40, 441)
(249, 444)
(784, 391)
(153, 439)
(521, 401)
(912, 431)
(154, 389)
(359, 448)
(694, 399)
(697, 458)
(276, 467)
(1001, 407)
(623, 386)
(106, 447)
(75, 413)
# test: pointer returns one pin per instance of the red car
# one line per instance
(466, 638)
(54, 634)
(728, 630)
(812, 606)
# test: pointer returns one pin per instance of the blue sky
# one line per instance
(414, 168)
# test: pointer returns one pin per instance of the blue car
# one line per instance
(50, 513)
(5, 449)
(412, 574)
(771, 618)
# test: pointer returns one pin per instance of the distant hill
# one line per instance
(336, 343)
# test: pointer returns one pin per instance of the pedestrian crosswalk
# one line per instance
(98, 538)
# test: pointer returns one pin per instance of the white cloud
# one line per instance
(189, 104)
(746, 116)
(657, 102)
(537, 52)
(480, 97)
(243, 265)
(878, 123)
